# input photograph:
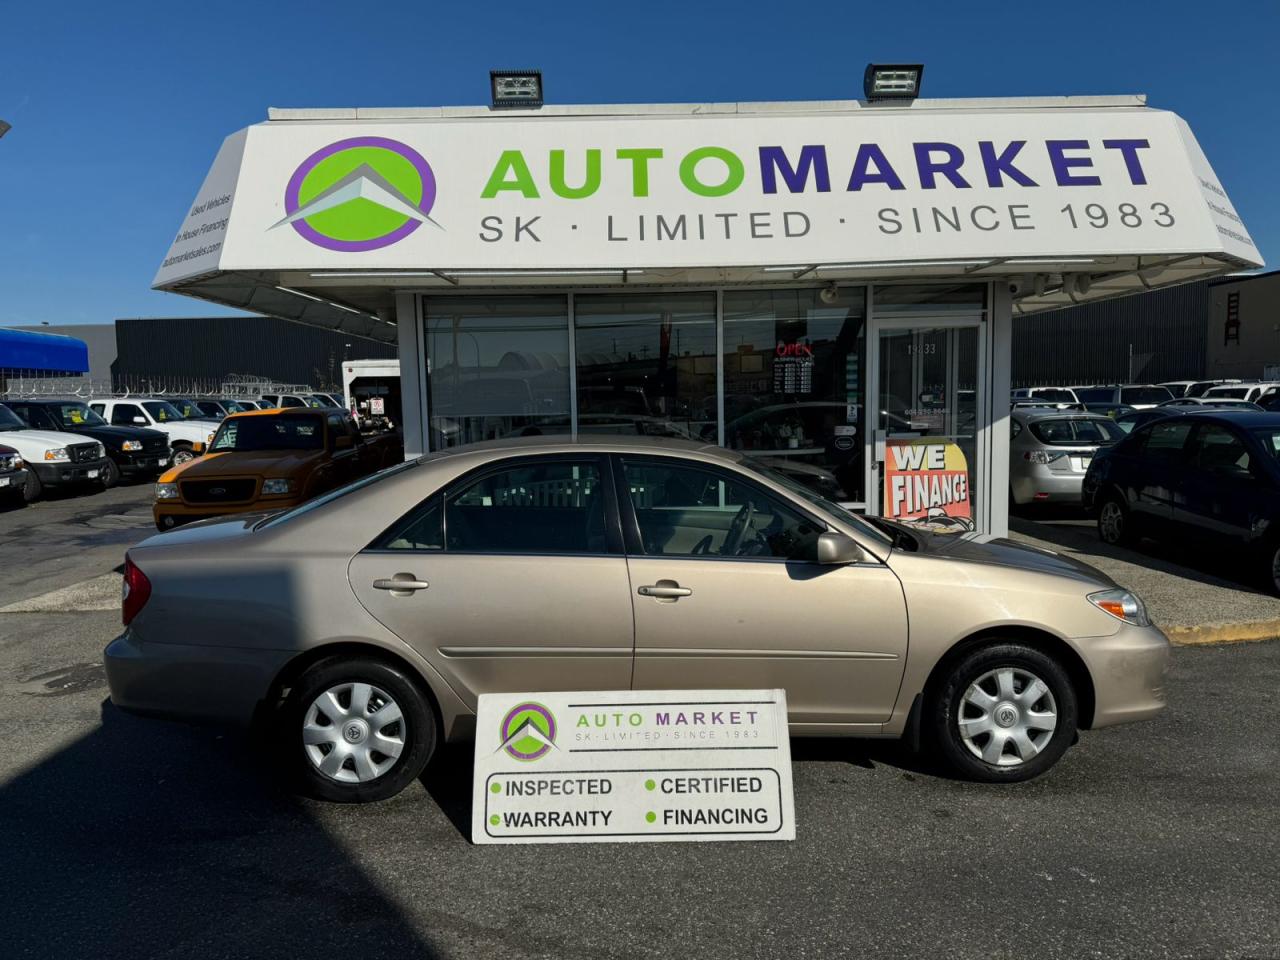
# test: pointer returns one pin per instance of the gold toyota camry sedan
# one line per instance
(358, 629)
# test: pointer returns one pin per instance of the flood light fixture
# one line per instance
(515, 88)
(892, 81)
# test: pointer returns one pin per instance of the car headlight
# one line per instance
(277, 485)
(129, 446)
(18, 463)
(1122, 605)
(166, 491)
(56, 455)
(210, 439)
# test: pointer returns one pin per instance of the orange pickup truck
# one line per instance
(264, 460)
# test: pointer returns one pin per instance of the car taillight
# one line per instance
(135, 592)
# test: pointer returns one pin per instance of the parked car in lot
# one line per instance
(287, 401)
(54, 458)
(1209, 474)
(187, 438)
(1051, 395)
(218, 409)
(1220, 403)
(1136, 395)
(1198, 388)
(131, 451)
(1050, 451)
(1251, 391)
(361, 627)
(13, 474)
(270, 460)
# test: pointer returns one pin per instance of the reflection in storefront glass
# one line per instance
(793, 377)
(647, 365)
(497, 367)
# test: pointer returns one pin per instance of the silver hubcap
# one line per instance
(353, 732)
(1111, 521)
(1007, 716)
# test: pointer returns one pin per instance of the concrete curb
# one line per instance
(1206, 633)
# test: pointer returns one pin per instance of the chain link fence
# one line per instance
(29, 386)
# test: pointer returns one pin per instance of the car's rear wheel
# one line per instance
(1115, 523)
(1004, 712)
(356, 730)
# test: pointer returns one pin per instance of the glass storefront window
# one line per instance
(497, 367)
(647, 364)
(793, 382)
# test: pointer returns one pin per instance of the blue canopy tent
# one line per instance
(34, 355)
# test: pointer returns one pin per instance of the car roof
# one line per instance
(599, 443)
(1241, 418)
(1031, 414)
(284, 412)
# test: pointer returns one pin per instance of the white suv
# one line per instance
(187, 438)
(53, 458)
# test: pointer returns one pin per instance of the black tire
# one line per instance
(181, 455)
(1271, 571)
(33, 488)
(417, 730)
(943, 710)
(1116, 525)
(110, 475)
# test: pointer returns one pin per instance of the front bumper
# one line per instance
(173, 513)
(186, 682)
(57, 474)
(13, 482)
(1128, 671)
(134, 463)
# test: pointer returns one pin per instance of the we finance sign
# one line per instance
(721, 191)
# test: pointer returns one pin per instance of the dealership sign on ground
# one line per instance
(632, 766)
(742, 190)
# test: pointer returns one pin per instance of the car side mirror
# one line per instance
(343, 442)
(141, 420)
(836, 548)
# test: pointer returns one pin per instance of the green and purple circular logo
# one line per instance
(528, 731)
(359, 194)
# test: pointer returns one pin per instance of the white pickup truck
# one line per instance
(187, 438)
(53, 458)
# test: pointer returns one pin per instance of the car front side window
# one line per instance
(692, 511)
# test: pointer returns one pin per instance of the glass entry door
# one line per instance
(925, 462)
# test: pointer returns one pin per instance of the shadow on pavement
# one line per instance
(150, 839)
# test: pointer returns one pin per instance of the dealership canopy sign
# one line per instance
(745, 190)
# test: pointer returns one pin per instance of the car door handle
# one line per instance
(664, 590)
(401, 582)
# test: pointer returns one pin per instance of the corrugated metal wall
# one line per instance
(1091, 343)
(205, 350)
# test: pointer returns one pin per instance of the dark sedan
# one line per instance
(134, 452)
(1213, 475)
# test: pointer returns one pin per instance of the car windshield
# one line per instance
(1097, 394)
(269, 433)
(1133, 395)
(1072, 431)
(824, 505)
(162, 411)
(1054, 396)
(189, 409)
(72, 415)
(333, 495)
(9, 420)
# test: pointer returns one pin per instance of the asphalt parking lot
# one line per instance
(128, 837)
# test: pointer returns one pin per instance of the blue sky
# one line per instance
(118, 109)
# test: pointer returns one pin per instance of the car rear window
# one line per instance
(1054, 396)
(1095, 394)
(1237, 393)
(1133, 395)
(1072, 431)
(1269, 437)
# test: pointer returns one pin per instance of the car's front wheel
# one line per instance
(110, 475)
(356, 730)
(33, 488)
(181, 455)
(1003, 713)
